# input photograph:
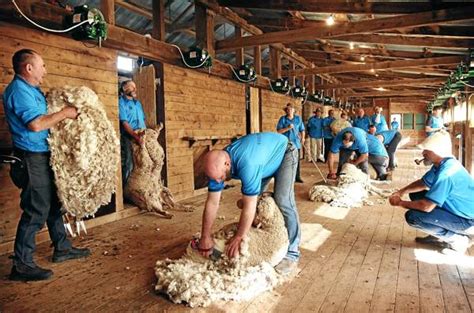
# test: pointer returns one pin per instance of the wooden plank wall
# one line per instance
(197, 104)
(67, 62)
(272, 105)
(416, 136)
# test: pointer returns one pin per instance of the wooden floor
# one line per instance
(358, 260)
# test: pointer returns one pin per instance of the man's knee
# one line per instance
(412, 217)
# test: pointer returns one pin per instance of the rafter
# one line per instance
(385, 94)
(384, 83)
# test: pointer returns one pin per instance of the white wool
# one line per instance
(198, 281)
(144, 186)
(84, 152)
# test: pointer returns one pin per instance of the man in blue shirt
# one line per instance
(394, 125)
(378, 156)
(362, 121)
(434, 121)
(292, 126)
(390, 139)
(26, 113)
(348, 141)
(327, 133)
(132, 120)
(254, 159)
(378, 119)
(315, 131)
(441, 201)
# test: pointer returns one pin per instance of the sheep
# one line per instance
(352, 190)
(199, 281)
(144, 186)
(84, 152)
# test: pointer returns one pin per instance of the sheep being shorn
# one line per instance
(84, 152)
(198, 281)
(352, 190)
(144, 186)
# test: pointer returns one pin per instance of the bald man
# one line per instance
(254, 159)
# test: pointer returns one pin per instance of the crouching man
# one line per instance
(254, 159)
(441, 201)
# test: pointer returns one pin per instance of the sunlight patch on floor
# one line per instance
(436, 257)
(336, 213)
(313, 236)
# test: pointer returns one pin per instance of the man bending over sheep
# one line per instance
(254, 159)
(26, 114)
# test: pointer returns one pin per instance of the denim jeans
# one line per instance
(345, 155)
(392, 148)
(379, 164)
(40, 205)
(439, 222)
(126, 157)
(284, 195)
(327, 147)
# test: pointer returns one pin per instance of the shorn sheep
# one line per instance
(84, 152)
(144, 186)
(198, 281)
(352, 190)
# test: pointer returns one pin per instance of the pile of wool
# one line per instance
(352, 190)
(84, 151)
(198, 281)
(144, 186)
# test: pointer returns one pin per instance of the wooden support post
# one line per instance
(158, 31)
(107, 8)
(239, 53)
(275, 66)
(205, 28)
(311, 84)
(292, 79)
(257, 59)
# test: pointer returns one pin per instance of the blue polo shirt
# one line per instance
(315, 127)
(388, 136)
(451, 188)
(253, 158)
(375, 146)
(292, 134)
(395, 125)
(131, 111)
(362, 122)
(434, 122)
(23, 103)
(381, 125)
(327, 121)
(360, 142)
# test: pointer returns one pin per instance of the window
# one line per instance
(407, 121)
(420, 121)
(125, 64)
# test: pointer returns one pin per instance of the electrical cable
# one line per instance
(90, 21)
(238, 78)
(466, 84)
(184, 61)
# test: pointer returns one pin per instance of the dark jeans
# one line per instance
(344, 157)
(327, 147)
(392, 148)
(126, 158)
(380, 164)
(40, 204)
(298, 175)
(439, 222)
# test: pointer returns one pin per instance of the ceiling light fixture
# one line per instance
(362, 58)
(351, 45)
(330, 20)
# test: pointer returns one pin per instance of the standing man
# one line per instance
(132, 120)
(348, 141)
(292, 126)
(441, 201)
(26, 113)
(378, 119)
(254, 159)
(435, 121)
(327, 133)
(361, 120)
(315, 131)
(394, 125)
(390, 139)
(378, 156)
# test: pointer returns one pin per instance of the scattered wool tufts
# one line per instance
(84, 152)
(353, 189)
(198, 281)
(144, 186)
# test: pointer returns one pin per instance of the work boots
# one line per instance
(73, 253)
(22, 272)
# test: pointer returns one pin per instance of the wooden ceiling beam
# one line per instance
(343, 29)
(384, 83)
(385, 94)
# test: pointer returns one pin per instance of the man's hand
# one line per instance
(139, 138)
(205, 246)
(394, 200)
(70, 112)
(233, 247)
(332, 176)
(291, 126)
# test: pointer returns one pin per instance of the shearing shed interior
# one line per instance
(236, 156)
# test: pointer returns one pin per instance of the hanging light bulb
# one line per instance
(351, 45)
(330, 20)
(362, 58)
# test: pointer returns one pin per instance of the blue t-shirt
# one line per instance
(253, 158)
(23, 103)
(360, 141)
(388, 136)
(131, 111)
(375, 146)
(381, 125)
(434, 122)
(327, 132)
(362, 122)
(292, 134)
(451, 188)
(395, 125)
(315, 127)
